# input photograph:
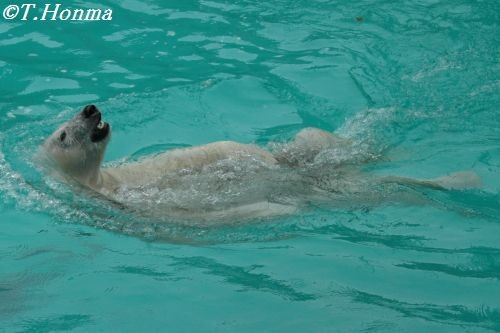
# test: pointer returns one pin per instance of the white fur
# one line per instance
(180, 183)
(80, 159)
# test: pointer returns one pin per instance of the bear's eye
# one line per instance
(62, 136)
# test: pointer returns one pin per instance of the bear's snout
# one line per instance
(89, 110)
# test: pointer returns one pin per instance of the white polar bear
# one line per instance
(154, 184)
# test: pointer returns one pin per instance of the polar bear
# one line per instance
(77, 148)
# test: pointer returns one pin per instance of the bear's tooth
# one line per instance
(100, 125)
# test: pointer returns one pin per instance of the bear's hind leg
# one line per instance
(306, 145)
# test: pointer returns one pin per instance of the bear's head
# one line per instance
(77, 147)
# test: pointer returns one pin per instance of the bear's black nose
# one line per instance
(89, 110)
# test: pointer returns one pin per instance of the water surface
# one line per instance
(415, 82)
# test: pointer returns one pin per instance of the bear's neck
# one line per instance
(102, 180)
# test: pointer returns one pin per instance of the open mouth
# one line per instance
(100, 130)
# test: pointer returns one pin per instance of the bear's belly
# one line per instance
(161, 168)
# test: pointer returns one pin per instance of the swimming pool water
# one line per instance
(417, 82)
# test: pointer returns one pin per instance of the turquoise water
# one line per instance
(416, 83)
